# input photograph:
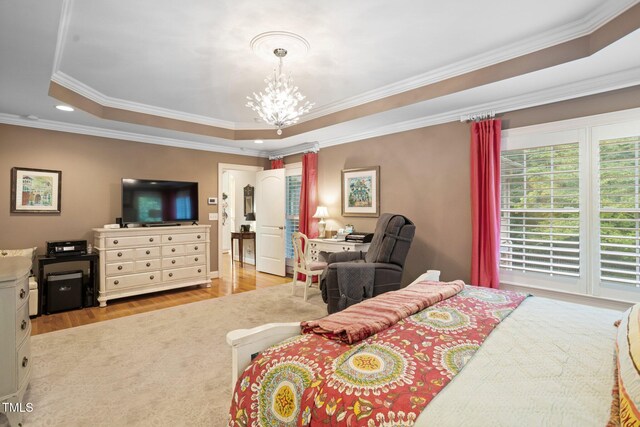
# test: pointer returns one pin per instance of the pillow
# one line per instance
(28, 253)
(628, 361)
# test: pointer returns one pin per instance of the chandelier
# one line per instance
(281, 104)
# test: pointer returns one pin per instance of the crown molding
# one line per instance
(296, 149)
(15, 120)
(579, 89)
(598, 17)
(589, 23)
(86, 91)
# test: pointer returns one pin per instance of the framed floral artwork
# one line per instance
(35, 190)
(361, 192)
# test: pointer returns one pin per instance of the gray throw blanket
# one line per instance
(355, 282)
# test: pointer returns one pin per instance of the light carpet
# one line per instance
(170, 367)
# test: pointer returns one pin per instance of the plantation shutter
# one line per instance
(292, 211)
(619, 216)
(540, 210)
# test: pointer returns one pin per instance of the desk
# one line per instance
(240, 236)
(317, 246)
(44, 260)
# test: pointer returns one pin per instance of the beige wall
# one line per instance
(92, 169)
(424, 174)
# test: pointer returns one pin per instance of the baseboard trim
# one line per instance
(568, 296)
(214, 274)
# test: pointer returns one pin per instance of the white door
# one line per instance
(270, 219)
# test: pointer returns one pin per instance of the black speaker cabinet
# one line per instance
(64, 291)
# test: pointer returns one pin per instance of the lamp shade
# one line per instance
(321, 212)
(250, 216)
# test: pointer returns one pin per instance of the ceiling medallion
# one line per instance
(281, 104)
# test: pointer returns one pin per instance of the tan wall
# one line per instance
(92, 169)
(424, 174)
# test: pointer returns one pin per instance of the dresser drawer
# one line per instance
(22, 291)
(172, 250)
(172, 262)
(132, 280)
(24, 361)
(196, 259)
(147, 252)
(184, 273)
(22, 323)
(183, 237)
(194, 248)
(119, 268)
(147, 265)
(117, 242)
(119, 255)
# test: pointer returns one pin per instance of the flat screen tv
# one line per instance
(156, 202)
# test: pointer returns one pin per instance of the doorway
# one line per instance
(233, 180)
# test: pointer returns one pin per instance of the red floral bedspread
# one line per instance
(384, 380)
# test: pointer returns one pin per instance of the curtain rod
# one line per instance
(478, 116)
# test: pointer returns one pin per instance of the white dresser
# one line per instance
(331, 245)
(139, 260)
(15, 336)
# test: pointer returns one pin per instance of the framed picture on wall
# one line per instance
(361, 192)
(35, 190)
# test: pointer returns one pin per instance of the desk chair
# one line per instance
(303, 265)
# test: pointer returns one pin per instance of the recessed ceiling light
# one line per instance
(64, 108)
(258, 141)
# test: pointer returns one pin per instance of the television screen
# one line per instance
(151, 201)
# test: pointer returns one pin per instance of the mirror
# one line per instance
(249, 213)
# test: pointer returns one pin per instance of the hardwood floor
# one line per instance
(233, 279)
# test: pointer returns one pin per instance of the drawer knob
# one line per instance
(173, 261)
(116, 282)
(25, 362)
(119, 253)
(170, 274)
(199, 270)
(119, 267)
(23, 293)
(151, 277)
(195, 248)
(148, 264)
(115, 242)
(173, 249)
(148, 252)
(196, 258)
(170, 238)
(198, 236)
(151, 239)
(23, 325)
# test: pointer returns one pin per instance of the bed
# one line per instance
(479, 357)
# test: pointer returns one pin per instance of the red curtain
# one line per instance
(277, 164)
(485, 203)
(308, 198)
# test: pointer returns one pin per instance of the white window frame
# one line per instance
(588, 131)
(607, 290)
(292, 169)
(542, 280)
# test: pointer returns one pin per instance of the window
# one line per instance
(292, 210)
(540, 210)
(570, 209)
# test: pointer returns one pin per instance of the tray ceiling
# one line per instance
(192, 60)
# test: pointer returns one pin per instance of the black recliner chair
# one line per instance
(351, 277)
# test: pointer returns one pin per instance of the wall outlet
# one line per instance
(213, 216)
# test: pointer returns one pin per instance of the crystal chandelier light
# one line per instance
(281, 104)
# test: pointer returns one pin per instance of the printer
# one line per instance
(359, 237)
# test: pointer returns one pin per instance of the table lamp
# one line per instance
(321, 213)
